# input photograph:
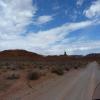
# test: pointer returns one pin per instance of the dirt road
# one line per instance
(76, 85)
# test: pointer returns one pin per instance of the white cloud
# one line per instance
(57, 34)
(43, 42)
(76, 47)
(82, 47)
(93, 10)
(44, 19)
(79, 2)
(15, 15)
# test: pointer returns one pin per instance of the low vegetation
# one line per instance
(43, 68)
(59, 70)
(12, 76)
(67, 69)
(34, 75)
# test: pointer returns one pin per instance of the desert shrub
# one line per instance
(75, 67)
(21, 67)
(6, 64)
(33, 75)
(8, 67)
(58, 70)
(43, 72)
(80, 64)
(13, 76)
(13, 68)
(4, 70)
(67, 69)
(41, 67)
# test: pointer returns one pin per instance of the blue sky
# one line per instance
(50, 27)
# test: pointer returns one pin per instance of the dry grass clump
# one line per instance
(4, 70)
(78, 64)
(13, 76)
(82, 64)
(58, 70)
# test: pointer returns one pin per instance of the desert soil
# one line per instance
(74, 85)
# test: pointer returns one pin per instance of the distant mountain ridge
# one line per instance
(19, 54)
(23, 54)
(93, 55)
